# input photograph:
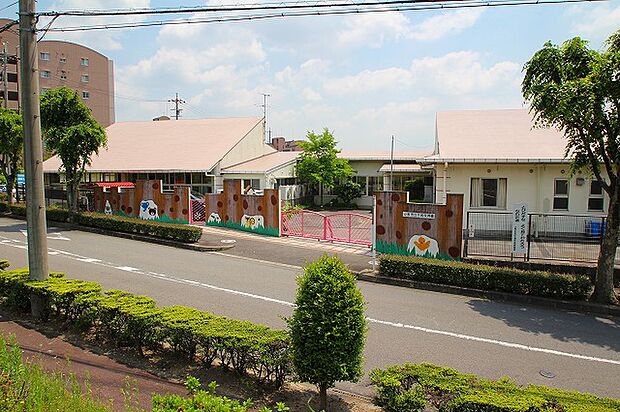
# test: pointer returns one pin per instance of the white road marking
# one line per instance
(51, 236)
(174, 279)
(265, 262)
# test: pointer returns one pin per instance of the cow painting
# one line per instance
(148, 210)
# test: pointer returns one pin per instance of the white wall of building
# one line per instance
(529, 183)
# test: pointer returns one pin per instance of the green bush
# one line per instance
(181, 233)
(129, 320)
(534, 283)
(411, 387)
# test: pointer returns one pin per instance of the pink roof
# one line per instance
(190, 145)
(384, 155)
(264, 164)
(496, 135)
(412, 167)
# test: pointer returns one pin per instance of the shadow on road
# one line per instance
(561, 325)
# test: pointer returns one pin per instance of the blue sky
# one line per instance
(365, 77)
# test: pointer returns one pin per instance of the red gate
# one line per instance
(340, 227)
(197, 211)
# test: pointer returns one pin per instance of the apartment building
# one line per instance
(88, 72)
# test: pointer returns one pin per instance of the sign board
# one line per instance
(418, 215)
(21, 179)
(519, 228)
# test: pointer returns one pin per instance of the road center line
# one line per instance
(174, 279)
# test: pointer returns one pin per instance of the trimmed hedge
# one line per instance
(182, 233)
(534, 283)
(133, 321)
(411, 387)
(178, 232)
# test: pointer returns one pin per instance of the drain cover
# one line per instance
(547, 374)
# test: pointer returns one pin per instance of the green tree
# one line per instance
(328, 326)
(72, 134)
(347, 191)
(11, 147)
(577, 90)
(319, 162)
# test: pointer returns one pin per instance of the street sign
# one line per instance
(519, 228)
(21, 179)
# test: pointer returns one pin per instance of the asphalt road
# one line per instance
(491, 339)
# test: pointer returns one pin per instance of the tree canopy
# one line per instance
(319, 162)
(577, 90)
(328, 326)
(71, 133)
(11, 147)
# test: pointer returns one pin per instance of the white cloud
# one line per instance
(598, 22)
(459, 73)
(369, 81)
(449, 22)
(311, 95)
(373, 30)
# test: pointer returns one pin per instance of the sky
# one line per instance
(364, 77)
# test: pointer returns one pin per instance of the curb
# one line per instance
(573, 306)
(133, 236)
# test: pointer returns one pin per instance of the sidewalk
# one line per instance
(105, 376)
(287, 250)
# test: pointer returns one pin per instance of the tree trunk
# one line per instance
(10, 184)
(72, 196)
(322, 397)
(604, 284)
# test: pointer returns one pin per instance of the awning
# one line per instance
(411, 167)
(115, 184)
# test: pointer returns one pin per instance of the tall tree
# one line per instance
(319, 162)
(72, 134)
(577, 90)
(11, 147)
(328, 326)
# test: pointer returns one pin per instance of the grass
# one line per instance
(24, 386)
(162, 218)
(266, 231)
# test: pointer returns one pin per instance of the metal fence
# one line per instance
(551, 236)
(343, 227)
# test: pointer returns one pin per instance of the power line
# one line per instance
(10, 5)
(315, 10)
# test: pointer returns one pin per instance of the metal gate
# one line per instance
(353, 228)
(197, 211)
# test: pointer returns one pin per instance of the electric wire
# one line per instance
(340, 9)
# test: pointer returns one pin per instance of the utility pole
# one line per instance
(264, 106)
(33, 153)
(177, 109)
(5, 85)
(392, 166)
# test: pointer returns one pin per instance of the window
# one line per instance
(63, 59)
(84, 78)
(44, 56)
(375, 184)
(488, 192)
(63, 75)
(560, 194)
(595, 201)
(45, 74)
(250, 186)
(84, 61)
(361, 180)
(85, 95)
